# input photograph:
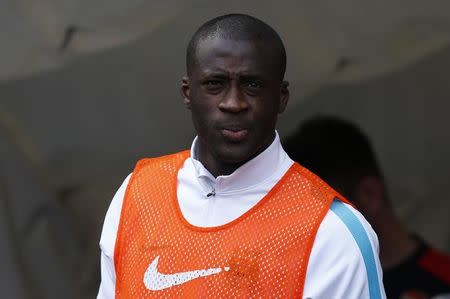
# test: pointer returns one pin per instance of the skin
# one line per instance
(235, 93)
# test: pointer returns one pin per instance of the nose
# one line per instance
(233, 100)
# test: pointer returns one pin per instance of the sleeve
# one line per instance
(107, 244)
(344, 260)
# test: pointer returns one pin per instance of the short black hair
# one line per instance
(237, 27)
(334, 149)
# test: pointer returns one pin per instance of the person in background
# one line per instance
(235, 217)
(341, 154)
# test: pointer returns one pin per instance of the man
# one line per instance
(235, 216)
(341, 154)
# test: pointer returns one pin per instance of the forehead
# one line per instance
(215, 54)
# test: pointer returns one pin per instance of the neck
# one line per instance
(396, 244)
(217, 168)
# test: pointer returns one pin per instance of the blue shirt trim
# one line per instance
(360, 235)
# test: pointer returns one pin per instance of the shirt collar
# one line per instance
(249, 175)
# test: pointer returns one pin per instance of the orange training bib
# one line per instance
(264, 253)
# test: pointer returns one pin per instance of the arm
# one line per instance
(338, 267)
(108, 242)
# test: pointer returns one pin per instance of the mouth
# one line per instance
(234, 134)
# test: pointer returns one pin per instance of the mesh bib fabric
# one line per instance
(262, 254)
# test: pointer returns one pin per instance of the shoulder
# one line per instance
(113, 215)
(345, 231)
(316, 182)
(111, 222)
(344, 258)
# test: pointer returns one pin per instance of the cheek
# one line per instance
(202, 109)
(202, 116)
(267, 114)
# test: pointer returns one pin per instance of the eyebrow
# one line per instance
(251, 77)
(213, 72)
(225, 74)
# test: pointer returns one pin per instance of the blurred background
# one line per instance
(89, 87)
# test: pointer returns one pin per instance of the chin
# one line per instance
(235, 155)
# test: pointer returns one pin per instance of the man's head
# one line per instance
(234, 89)
(238, 27)
(339, 153)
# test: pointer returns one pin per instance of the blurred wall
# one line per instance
(406, 116)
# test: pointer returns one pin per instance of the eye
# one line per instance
(252, 86)
(213, 83)
(213, 86)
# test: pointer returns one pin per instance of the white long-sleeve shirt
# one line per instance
(340, 265)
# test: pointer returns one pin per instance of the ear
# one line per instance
(284, 96)
(370, 196)
(186, 91)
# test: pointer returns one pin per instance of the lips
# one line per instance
(234, 134)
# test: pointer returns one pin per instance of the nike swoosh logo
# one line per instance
(155, 281)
